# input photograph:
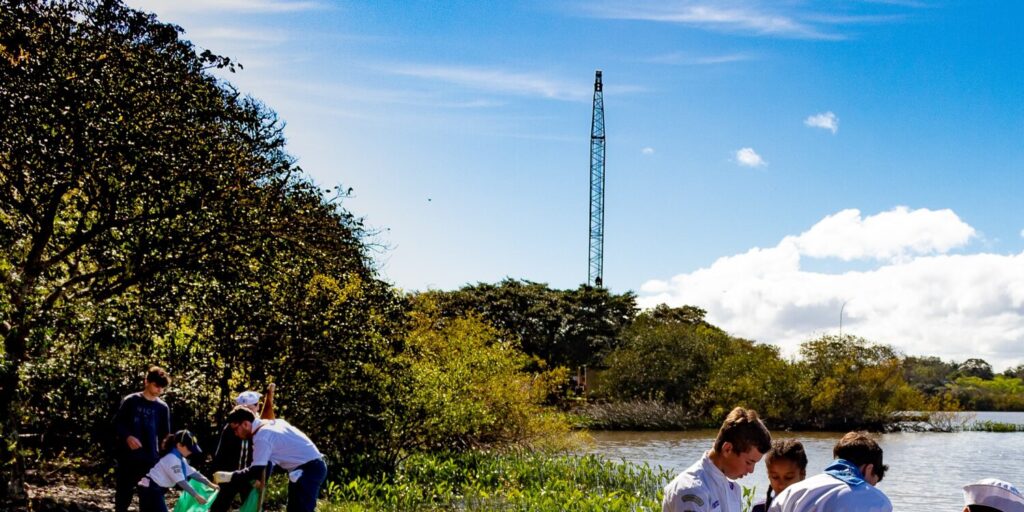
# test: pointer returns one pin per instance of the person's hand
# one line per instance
(133, 442)
(222, 476)
(214, 487)
(201, 500)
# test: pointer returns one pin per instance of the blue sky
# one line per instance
(767, 161)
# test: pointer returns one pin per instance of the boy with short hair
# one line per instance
(709, 484)
(141, 422)
(846, 485)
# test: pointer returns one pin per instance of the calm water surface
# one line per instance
(926, 470)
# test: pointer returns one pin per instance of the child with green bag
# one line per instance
(172, 469)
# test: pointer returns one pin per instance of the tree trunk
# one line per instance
(12, 470)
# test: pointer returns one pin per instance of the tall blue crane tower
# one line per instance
(596, 277)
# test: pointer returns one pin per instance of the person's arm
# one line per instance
(189, 489)
(123, 423)
(195, 475)
(268, 403)
(164, 425)
(686, 500)
(261, 449)
(248, 474)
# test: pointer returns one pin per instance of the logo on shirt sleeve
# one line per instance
(692, 498)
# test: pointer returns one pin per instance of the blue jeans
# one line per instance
(302, 494)
(152, 498)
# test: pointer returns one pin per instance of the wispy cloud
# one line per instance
(920, 297)
(824, 120)
(351, 94)
(647, 151)
(747, 157)
(500, 81)
(164, 7)
(237, 35)
(684, 59)
(901, 3)
(745, 19)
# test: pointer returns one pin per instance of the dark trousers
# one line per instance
(129, 472)
(302, 494)
(152, 498)
(226, 496)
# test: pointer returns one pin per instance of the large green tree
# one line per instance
(127, 172)
(562, 327)
(666, 354)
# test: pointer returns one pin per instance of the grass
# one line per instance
(994, 426)
(530, 481)
(635, 415)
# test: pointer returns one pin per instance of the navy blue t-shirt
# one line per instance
(148, 420)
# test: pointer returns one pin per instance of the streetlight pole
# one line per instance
(841, 319)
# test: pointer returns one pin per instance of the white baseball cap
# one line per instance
(995, 493)
(248, 398)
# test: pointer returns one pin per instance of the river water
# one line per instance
(926, 470)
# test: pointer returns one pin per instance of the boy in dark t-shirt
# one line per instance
(142, 421)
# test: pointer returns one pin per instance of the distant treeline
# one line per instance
(674, 356)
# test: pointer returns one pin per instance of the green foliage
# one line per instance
(467, 387)
(756, 376)
(636, 415)
(674, 356)
(928, 374)
(975, 367)
(663, 357)
(1001, 393)
(561, 327)
(855, 383)
(151, 215)
(994, 426)
(477, 480)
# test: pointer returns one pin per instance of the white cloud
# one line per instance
(892, 235)
(1022, 233)
(749, 158)
(920, 298)
(647, 151)
(499, 81)
(825, 120)
(749, 18)
(238, 35)
(680, 58)
(165, 8)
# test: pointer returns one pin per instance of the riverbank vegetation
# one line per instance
(150, 214)
(524, 481)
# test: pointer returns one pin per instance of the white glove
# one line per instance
(221, 477)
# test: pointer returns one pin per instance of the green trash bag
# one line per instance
(252, 502)
(186, 503)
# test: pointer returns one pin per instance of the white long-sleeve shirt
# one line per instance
(825, 493)
(702, 488)
(279, 442)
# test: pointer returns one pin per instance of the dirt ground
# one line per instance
(63, 497)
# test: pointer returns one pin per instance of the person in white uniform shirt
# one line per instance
(171, 470)
(709, 485)
(992, 495)
(846, 485)
(278, 442)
